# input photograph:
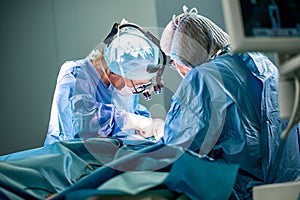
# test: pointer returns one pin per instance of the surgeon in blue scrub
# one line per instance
(227, 105)
(99, 96)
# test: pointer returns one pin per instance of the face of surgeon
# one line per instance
(116, 80)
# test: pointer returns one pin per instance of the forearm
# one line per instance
(92, 119)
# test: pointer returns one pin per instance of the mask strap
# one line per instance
(123, 75)
(105, 74)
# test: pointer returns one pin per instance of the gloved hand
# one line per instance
(146, 127)
(158, 128)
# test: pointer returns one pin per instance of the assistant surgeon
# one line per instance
(227, 105)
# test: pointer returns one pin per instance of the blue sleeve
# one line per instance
(196, 115)
(90, 117)
(60, 123)
(75, 110)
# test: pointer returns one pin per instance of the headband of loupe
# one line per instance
(152, 69)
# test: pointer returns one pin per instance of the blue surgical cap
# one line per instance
(132, 55)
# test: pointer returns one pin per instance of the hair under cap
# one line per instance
(192, 39)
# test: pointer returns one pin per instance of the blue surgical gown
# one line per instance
(228, 109)
(83, 106)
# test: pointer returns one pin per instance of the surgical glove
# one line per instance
(158, 128)
(143, 125)
(155, 129)
(146, 127)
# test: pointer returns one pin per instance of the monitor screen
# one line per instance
(263, 25)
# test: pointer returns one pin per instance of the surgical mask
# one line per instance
(125, 91)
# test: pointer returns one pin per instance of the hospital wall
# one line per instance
(36, 37)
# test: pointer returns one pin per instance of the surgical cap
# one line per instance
(132, 55)
(191, 39)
